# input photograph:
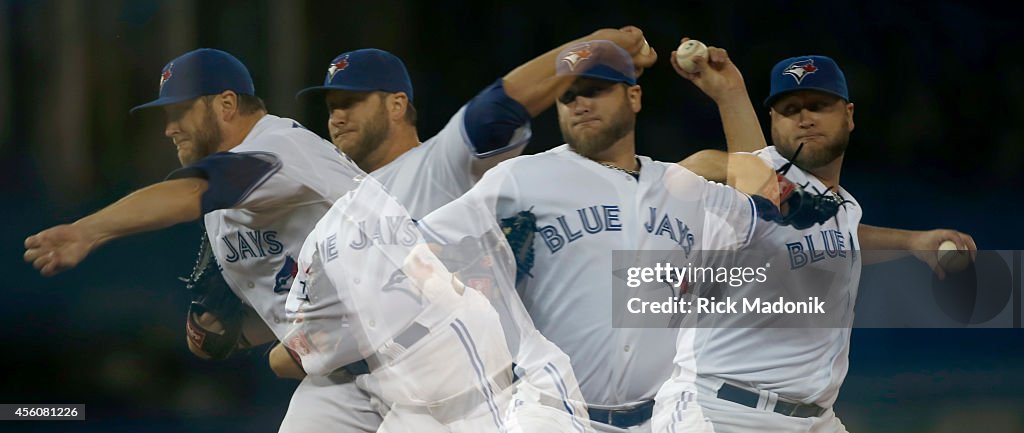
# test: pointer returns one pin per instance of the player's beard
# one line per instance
(813, 156)
(370, 137)
(205, 140)
(592, 143)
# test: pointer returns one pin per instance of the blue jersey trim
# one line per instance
(753, 220)
(232, 176)
(491, 120)
(484, 385)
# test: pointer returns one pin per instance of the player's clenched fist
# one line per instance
(58, 248)
(631, 39)
(715, 74)
(924, 244)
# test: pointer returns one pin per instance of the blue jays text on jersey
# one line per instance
(680, 233)
(249, 244)
(811, 248)
(599, 218)
(395, 230)
(592, 220)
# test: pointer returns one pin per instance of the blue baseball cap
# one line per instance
(201, 72)
(807, 73)
(365, 70)
(599, 59)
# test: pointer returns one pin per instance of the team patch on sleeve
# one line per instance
(231, 176)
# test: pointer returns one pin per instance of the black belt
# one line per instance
(739, 395)
(623, 418)
(357, 368)
(410, 336)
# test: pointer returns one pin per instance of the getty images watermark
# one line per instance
(683, 277)
(816, 289)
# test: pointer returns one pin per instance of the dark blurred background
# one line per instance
(939, 142)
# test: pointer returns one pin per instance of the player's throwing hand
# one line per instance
(715, 75)
(924, 244)
(631, 39)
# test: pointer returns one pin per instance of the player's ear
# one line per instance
(397, 104)
(225, 105)
(634, 93)
(849, 115)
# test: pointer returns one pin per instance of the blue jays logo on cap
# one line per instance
(597, 59)
(366, 70)
(573, 58)
(801, 69)
(818, 73)
(166, 75)
(198, 73)
(336, 66)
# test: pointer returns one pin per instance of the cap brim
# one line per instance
(771, 99)
(606, 78)
(160, 102)
(320, 90)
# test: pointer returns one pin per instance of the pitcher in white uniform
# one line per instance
(745, 378)
(258, 181)
(594, 195)
(440, 351)
(372, 118)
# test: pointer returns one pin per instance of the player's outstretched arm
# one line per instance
(921, 243)
(167, 203)
(721, 80)
(535, 85)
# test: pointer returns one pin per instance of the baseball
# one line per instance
(687, 51)
(951, 258)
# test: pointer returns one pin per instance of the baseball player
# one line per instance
(371, 117)
(441, 354)
(715, 165)
(765, 378)
(369, 98)
(594, 195)
(259, 182)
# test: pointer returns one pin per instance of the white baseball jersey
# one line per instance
(257, 237)
(547, 396)
(807, 365)
(585, 211)
(440, 169)
(422, 179)
(370, 288)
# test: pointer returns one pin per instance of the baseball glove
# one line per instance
(804, 208)
(519, 231)
(211, 294)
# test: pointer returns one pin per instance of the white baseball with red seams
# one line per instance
(686, 53)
